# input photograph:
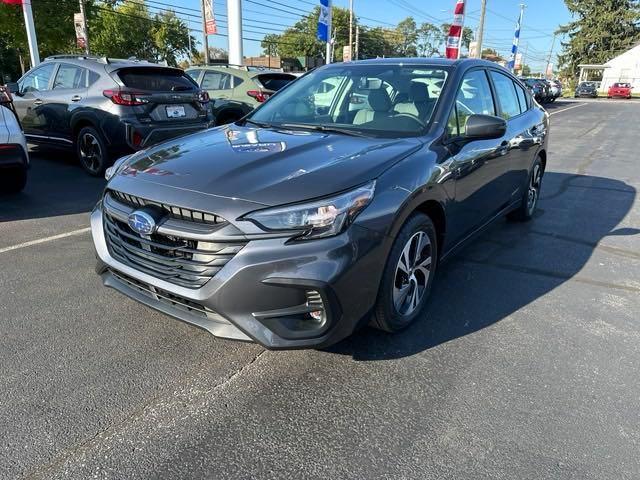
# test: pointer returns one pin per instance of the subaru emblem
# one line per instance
(142, 223)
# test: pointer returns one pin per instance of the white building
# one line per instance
(623, 68)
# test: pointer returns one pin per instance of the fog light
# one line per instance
(314, 300)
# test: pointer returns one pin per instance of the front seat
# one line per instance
(421, 105)
(380, 106)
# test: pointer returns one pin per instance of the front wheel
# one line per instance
(531, 195)
(92, 152)
(408, 275)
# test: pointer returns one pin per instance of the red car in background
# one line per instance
(620, 90)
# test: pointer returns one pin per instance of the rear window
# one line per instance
(156, 79)
(275, 81)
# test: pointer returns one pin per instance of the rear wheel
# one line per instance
(92, 152)
(13, 180)
(408, 275)
(531, 195)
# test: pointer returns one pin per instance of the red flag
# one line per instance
(455, 31)
(12, 2)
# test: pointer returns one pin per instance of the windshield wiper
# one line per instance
(258, 124)
(323, 128)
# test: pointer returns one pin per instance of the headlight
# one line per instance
(316, 219)
(116, 167)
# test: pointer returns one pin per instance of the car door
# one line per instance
(66, 96)
(475, 165)
(29, 102)
(523, 136)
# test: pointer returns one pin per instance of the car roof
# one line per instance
(445, 62)
(109, 63)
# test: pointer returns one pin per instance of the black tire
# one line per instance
(91, 150)
(13, 180)
(388, 316)
(531, 194)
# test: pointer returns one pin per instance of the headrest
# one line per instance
(379, 100)
(419, 92)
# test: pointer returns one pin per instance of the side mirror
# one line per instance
(13, 87)
(484, 127)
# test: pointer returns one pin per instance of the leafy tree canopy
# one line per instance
(601, 29)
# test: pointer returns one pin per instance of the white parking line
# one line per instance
(44, 240)
(568, 108)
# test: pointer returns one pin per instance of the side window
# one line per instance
(522, 98)
(506, 95)
(71, 77)
(38, 80)
(216, 81)
(237, 81)
(93, 78)
(474, 97)
(194, 73)
(452, 123)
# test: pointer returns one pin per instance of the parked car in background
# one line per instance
(586, 89)
(620, 89)
(556, 88)
(302, 222)
(14, 155)
(104, 107)
(539, 89)
(235, 91)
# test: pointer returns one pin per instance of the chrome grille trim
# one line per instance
(182, 261)
(173, 211)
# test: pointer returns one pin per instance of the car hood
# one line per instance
(265, 166)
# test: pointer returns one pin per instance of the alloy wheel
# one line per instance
(534, 189)
(412, 273)
(90, 152)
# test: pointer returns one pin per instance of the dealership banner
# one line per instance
(455, 31)
(78, 23)
(209, 19)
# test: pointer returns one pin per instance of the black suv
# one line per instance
(107, 107)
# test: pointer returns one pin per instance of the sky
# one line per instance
(541, 18)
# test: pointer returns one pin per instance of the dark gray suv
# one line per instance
(324, 209)
(104, 108)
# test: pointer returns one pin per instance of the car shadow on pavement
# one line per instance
(512, 264)
(56, 185)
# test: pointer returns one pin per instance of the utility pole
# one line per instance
(464, 13)
(85, 27)
(350, 28)
(31, 34)
(234, 22)
(483, 11)
(553, 44)
(205, 39)
(357, 42)
(328, 55)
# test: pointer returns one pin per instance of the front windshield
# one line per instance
(587, 84)
(377, 100)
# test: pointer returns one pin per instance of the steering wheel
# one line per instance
(412, 117)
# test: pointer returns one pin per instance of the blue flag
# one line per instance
(324, 21)
(514, 48)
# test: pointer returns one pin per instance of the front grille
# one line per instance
(167, 298)
(181, 261)
(173, 211)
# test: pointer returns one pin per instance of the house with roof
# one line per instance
(623, 68)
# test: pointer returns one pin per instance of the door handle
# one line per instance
(76, 98)
(37, 102)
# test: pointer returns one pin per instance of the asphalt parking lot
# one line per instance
(525, 367)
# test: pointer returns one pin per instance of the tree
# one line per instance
(53, 21)
(128, 29)
(406, 38)
(430, 38)
(600, 30)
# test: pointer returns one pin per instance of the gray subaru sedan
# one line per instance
(330, 206)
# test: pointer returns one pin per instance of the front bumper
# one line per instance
(260, 293)
(13, 156)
